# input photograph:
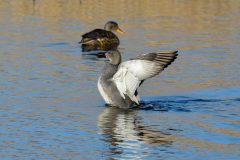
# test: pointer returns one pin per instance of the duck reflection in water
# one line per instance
(94, 55)
(123, 129)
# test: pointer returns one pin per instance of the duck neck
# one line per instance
(107, 28)
(109, 70)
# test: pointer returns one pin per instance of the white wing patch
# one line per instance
(127, 83)
(131, 73)
(119, 79)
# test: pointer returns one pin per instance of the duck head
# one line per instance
(112, 26)
(114, 57)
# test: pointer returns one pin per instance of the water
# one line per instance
(50, 106)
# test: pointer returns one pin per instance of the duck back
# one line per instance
(100, 35)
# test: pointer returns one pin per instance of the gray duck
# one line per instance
(119, 81)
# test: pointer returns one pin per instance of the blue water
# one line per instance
(50, 106)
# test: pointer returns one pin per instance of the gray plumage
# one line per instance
(119, 82)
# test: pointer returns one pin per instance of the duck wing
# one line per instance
(131, 73)
(97, 34)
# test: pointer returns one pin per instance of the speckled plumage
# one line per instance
(102, 39)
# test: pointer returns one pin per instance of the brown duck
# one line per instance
(102, 39)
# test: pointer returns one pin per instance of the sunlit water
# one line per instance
(50, 106)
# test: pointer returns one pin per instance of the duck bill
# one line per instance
(119, 31)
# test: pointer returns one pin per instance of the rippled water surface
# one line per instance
(51, 109)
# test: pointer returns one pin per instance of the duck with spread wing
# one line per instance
(119, 81)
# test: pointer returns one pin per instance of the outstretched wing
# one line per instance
(131, 73)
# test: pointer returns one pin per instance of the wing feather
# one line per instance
(119, 79)
(131, 73)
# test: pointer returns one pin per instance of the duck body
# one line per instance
(109, 90)
(119, 82)
(101, 39)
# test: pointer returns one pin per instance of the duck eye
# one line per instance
(113, 27)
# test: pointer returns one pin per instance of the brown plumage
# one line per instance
(102, 39)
